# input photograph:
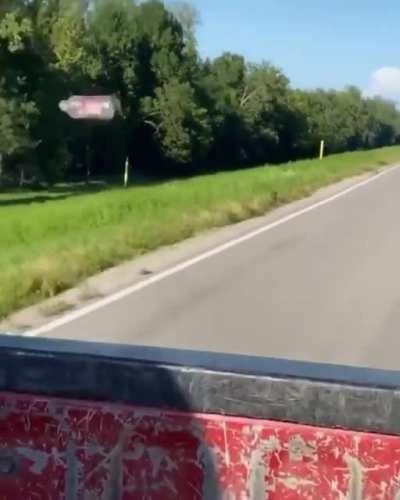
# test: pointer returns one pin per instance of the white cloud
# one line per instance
(385, 82)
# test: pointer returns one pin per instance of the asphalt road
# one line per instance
(323, 286)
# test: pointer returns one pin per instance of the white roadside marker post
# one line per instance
(126, 173)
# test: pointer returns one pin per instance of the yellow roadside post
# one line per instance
(321, 150)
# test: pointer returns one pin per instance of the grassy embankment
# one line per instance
(48, 245)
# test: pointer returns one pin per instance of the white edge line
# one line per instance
(115, 297)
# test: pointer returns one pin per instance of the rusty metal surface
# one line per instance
(57, 449)
(305, 393)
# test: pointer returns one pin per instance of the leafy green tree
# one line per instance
(18, 112)
(180, 124)
(172, 110)
(324, 121)
(383, 122)
(266, 107)
(187, 16)
(346, 121)
(254, 115)
(179, 111)
(16, 119)
(223, 84)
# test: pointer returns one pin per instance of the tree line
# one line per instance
(180, 113)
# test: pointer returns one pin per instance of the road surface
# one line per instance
(322, 286)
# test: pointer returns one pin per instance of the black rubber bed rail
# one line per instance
(243, 386)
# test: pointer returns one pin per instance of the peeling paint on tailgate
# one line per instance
(58, 449)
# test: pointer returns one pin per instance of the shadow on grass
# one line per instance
(32, 199)
(42, 194)
(26, 196)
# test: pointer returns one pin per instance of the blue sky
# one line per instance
(316, 42)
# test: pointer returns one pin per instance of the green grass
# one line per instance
(48, 245)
